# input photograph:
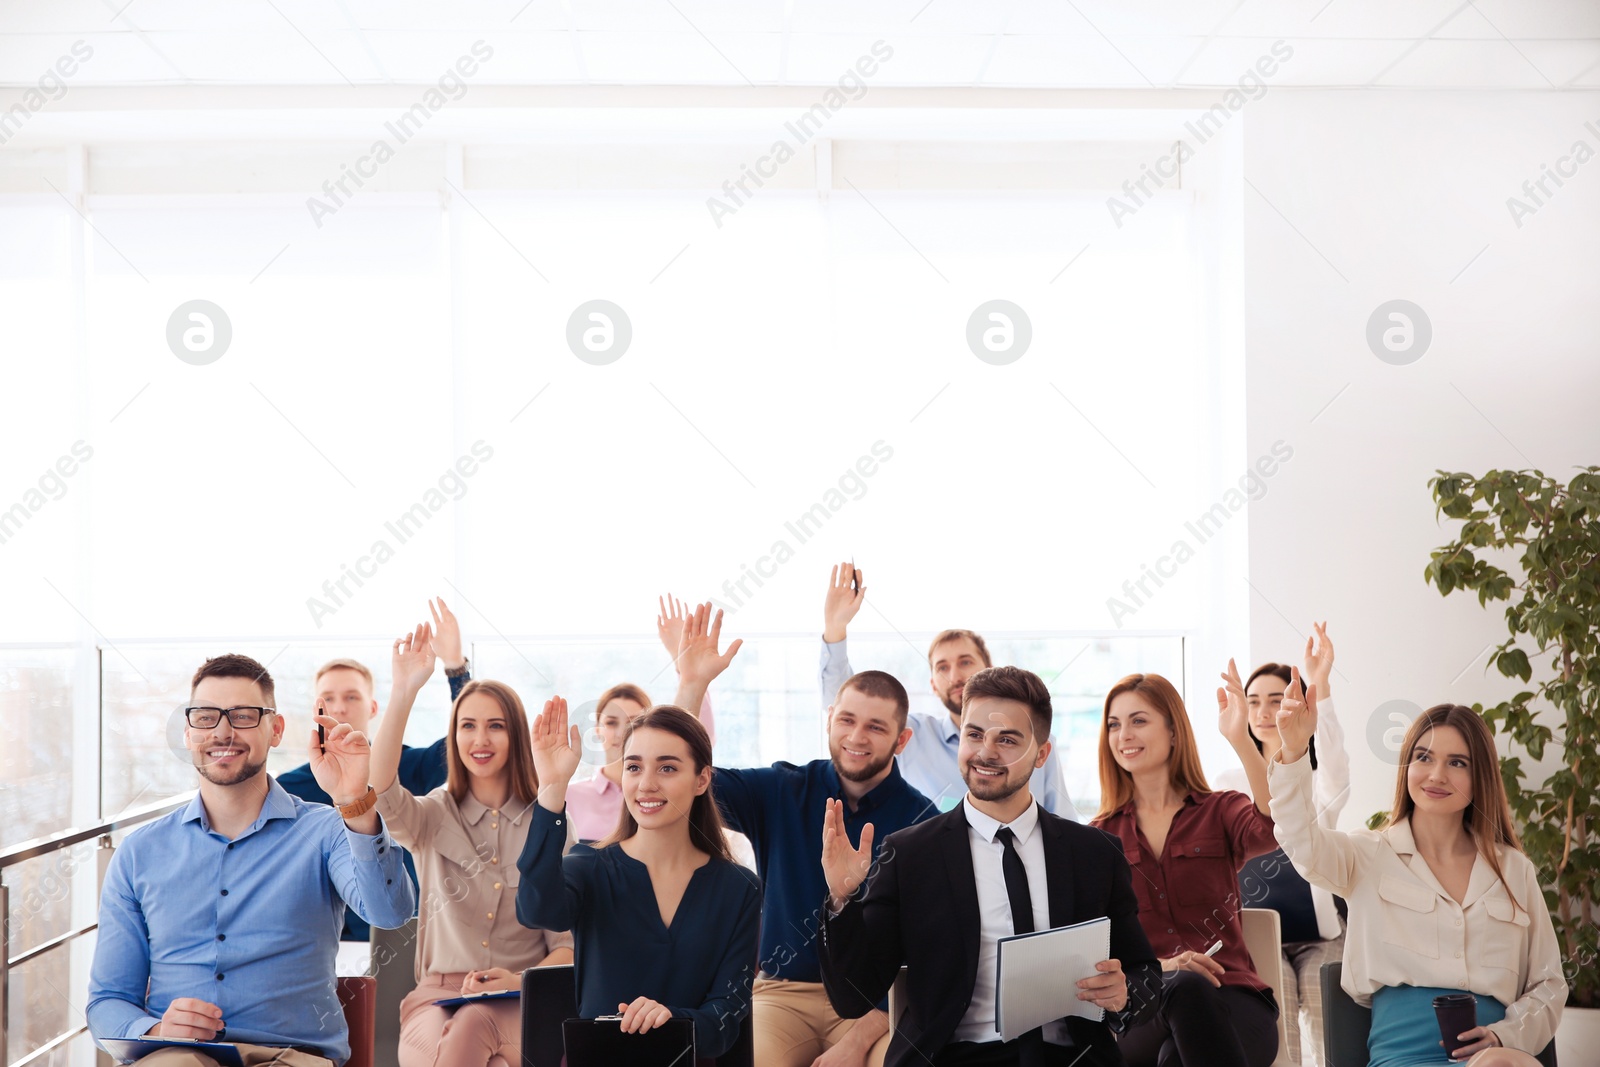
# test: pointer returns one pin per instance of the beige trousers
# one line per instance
(253, 1056)
(474, 1035)
(794, 1024)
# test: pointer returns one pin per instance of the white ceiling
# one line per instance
(1114, 44)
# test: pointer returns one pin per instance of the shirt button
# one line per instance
(1458, 955)
(1170, 930)
(222, 937)
(485, 944)
(219, 977)
(230, 848)
(388, 881)
(380, 850)
(496, 811)
(491, 915)
(497, 885)
(495, 860)
(224, 892)
(1458, 922)
(494, 826)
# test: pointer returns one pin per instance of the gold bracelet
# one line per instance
(360, 807)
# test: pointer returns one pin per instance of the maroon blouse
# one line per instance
(1189, 895)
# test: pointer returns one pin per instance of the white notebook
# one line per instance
(1037, 976)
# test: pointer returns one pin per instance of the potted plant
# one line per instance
(1548, 534)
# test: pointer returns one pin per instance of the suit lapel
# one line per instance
(963, 883)
(1058, 869)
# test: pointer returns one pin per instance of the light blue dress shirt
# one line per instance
(929, 761)
(250, 925)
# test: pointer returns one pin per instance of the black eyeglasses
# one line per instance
(240, 718)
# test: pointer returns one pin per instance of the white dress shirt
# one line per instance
(994, 913)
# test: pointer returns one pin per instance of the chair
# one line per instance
(1263, 939)
(359, 998)
(549, 998)
(897, 1000)
(1345, 1025)
(392, 961)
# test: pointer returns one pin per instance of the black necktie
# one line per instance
(1016, 882)
(1031, 1044)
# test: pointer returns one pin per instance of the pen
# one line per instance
(1212, 951)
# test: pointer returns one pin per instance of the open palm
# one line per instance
(557, 747)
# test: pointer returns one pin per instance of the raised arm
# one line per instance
(1324, 857)
(447, 644)
(669, 627)
(547, 898)
(1233, 719)
(699, 662)
(411, 663)
(860, 948)
(839, 606)
(1333, 761)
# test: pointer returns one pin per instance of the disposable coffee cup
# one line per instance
(1457, 1013)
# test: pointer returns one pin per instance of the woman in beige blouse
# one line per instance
(465, 838)
(1442, 901)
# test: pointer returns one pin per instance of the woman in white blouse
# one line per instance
(1313, 932)
(1442, 901)
(465, 837)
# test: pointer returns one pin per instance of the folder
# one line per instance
(601, 1043)
(1037, 975)
(474, 998)
(126, 1050)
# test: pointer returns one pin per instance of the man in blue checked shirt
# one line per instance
(929, 759)
(220, 922)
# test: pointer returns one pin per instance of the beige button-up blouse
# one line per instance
(1405, 929)
(466, 857)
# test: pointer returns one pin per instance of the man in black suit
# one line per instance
(944, 891)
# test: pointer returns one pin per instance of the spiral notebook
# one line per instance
(1037, 975)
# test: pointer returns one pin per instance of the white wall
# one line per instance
(1398, 192)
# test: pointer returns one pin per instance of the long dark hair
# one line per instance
(1281, 672)
(519, 761)
(705, 821)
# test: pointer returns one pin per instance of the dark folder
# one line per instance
(126, 1050)
(601, 1043)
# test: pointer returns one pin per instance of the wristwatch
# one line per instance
(457, 672)
(360, 807)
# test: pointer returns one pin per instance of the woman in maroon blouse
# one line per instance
(1186, 844)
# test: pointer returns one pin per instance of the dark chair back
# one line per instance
(1345, 1025)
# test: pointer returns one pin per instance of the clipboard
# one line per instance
(1036, 976)
(126, 1050)
(477, 998)
(601, 1043)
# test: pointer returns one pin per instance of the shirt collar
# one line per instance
(987, 826)
(278, 805)
(1129, 809)
(473, 810)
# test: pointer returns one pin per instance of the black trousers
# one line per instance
(1199, 1025)
(1002, 1054)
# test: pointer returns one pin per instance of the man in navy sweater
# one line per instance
(344, 692)
(781, 810)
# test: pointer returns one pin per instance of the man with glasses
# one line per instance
(220, 921)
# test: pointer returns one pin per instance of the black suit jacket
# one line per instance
(919, 907)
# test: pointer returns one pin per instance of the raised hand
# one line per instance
(1233, 714)
(447, 634)
(841, 603)
(557, 750)
(412, 658)
(669, 623)
(341, 764)
(1297, 718)
(1319, 663)
(844, 866)
(189, 1018)
(699, 662)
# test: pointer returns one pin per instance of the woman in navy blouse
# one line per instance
(665, 923)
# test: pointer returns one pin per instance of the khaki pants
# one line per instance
(794, 1024)
(253, 1056)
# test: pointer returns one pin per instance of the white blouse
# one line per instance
(1404, 929)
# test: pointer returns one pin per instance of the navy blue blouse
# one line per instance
(701, 967)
